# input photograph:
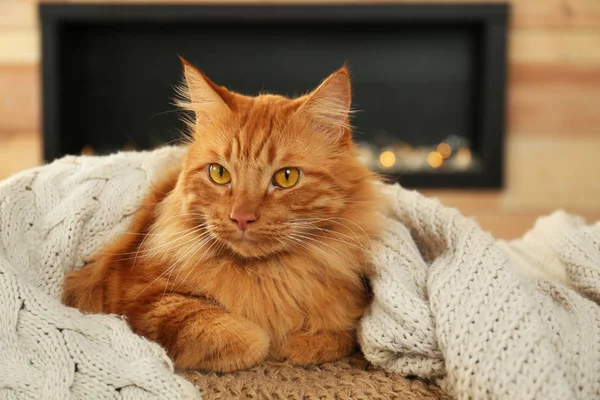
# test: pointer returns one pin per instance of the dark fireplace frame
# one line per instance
(493, 19)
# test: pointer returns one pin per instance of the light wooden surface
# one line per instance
(19, 151)
(553, 120)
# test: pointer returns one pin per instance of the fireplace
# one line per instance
(428, 80)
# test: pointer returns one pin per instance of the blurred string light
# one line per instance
(444, 149)
(365, 155)
(87, 150)
(463, 157)
(452, 153)
(387, 159)
(435, 159)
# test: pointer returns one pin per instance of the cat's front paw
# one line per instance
(230, 344)
(317, 348)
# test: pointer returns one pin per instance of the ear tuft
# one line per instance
(329, 104)
(198, 93)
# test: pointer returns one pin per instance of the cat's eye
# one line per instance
(286, 177)
(218, 174)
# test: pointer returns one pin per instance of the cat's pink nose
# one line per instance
(243, 219)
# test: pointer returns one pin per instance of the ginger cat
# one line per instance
(256, 246)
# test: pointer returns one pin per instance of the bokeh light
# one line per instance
(387, 159)
(435, 159)
(444, 149)
(87, 150)
(463, 157)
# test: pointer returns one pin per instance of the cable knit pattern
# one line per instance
(51, 219)
(451, 304)
(479, 316)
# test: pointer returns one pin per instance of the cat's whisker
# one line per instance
(210, 238)
(183, 214)
(174, 267)
(326, 245)
(182, 232)
(156, 226)
(163, 234)
(335, 220)
(325, 230)
(285, 245)
(151, 283)
(161, 253)
(317, 236)
(360, 202)
(196, 264)
(182, 138)
(199, 239)
(307, 246)
(307, 227)
(163, 113)
(312, 247)
(178, 215)
(186, 233)
(198, 247)
(353, 223)
(152, 252)
(338, 234)
(301, 243)
(158, 249)
(154, 234)
(171, 268)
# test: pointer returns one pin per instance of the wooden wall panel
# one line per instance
(548, 173)
(561, 46)
(553, 14)
(19, 98)
(554, 100)
(19, 151)
(19, 46)
(18, 14)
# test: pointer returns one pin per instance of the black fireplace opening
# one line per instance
(428, 80)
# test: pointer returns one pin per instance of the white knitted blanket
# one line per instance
(479, 316)
(451, 304)
(51, 219)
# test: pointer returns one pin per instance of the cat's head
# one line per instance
(271, 174)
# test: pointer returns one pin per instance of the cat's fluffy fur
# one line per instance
(290, 288)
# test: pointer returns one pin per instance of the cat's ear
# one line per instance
(200, 94)
(328, 106)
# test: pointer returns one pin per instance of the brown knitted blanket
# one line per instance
(349, 378)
